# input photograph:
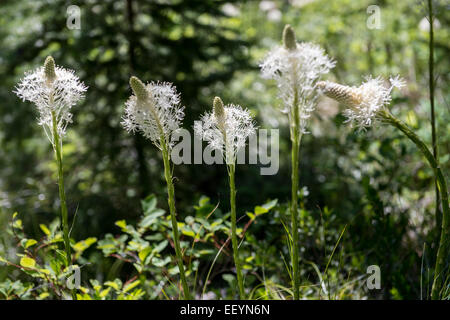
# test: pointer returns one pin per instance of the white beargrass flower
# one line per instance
(54, 90)
(296, 67)
(226, 128)
(364, 102)
(154, 110)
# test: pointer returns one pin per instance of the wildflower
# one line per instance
(226, 128)
(364, 102)
(296, 67)
(367, 104)
(154, 110)
(54, 90)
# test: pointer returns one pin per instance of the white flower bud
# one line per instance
(296, 67)
(364, 102)
(226, 128)
(54, 90)
(154, 110)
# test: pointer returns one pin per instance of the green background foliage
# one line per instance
(372, 188)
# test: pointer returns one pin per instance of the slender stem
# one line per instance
(234, 241)
(62, 195)
(176, 234)
(295, 139)
(444, 243)
(433, 118)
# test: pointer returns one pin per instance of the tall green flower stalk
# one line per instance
(296, 67)
(367, 105)
(434, 139)
(54, 90)
(226, 129)
(155, 111)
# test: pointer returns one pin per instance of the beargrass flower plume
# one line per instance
(364, 102)
(226, 129)
(296, 67)
(367, 105)
(54, 90)
(154, 110)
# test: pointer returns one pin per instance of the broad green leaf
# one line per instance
(26, 243)
(121, 224)
(260, 210)
(131, 285)
(161, 246)
(269, 205)
(151, 218)
(144, 253)
(251, 215)
(104, 293)
(84, 244)
(149, 204)
(17, 224)
(44, 229)
(113, 285)
(27, 262)
(188, 233)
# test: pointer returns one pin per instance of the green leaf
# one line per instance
(160, 247)
(113, 285)
(17, 224)
(45, 229)
(149, 204)
(265, 207)
(160, 262)
(151, 218)
(26, 243)
(121, 224)
(104, 292)
(131, 285)
(27, 262)
(260, 210)
(144, 253)
(270, 205)
(84, 244)
(188, 233)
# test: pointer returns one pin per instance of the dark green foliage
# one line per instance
(373, 188)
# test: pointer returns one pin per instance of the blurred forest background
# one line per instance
(374, 183)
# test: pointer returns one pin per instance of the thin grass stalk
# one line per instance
(444, 243)
(433, 117)
(62, 195)
(237, 262)
(176, 234)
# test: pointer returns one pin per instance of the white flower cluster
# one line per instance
(296, 69)
(363, 102)
(56, 96)
(157, 114)
(227, 130)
